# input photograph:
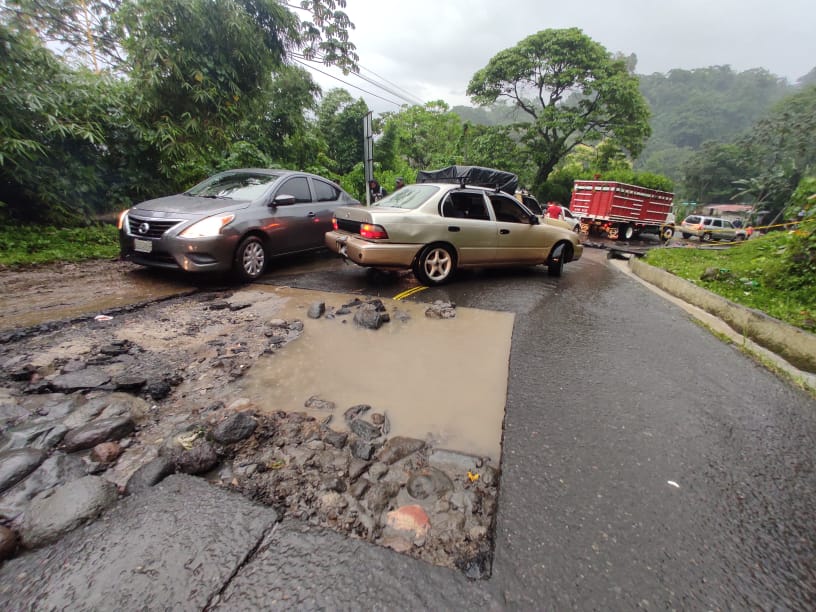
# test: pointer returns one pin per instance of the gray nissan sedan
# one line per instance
(233, 221)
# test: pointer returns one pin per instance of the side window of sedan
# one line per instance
(324, 192)
(465, 205)
(298, 187)
(508, 210)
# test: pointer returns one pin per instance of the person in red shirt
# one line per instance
(554, 211)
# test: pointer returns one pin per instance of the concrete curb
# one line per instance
(795, 345)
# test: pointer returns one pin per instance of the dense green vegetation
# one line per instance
(23, 245)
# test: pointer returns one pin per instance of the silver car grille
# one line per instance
(149, 228)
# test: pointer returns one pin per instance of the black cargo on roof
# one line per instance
(471, 175)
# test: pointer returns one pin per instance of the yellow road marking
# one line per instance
(409, 292)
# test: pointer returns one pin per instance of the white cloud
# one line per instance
(433, 47)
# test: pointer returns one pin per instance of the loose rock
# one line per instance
(17, 464)
(150, 474)
(96, 432)
(107, 452)
(398, 448)
(56, 512)
(234, 428)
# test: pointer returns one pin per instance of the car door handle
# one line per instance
(311, 214)
(453, 228)
(504, 231)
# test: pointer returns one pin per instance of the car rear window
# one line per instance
(410, 197)
(692, 219)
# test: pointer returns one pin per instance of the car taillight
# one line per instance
(334, 223)
(373, 232)
(700, 227)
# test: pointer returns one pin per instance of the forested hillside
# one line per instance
(690, 107)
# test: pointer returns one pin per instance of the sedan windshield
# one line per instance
(234, 186)
(411, 196)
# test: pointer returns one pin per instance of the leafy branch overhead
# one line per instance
(574, 91)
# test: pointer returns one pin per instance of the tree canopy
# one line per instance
(572, 89)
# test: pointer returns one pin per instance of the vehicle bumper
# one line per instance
(198, 255)
(577, 251)
(371, 254)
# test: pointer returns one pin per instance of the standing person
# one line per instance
(376, 191)
(399, 183)
(554, 211)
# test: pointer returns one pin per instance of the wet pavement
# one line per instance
(645, 464)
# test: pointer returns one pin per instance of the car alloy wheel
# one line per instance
(250, 258)
(434, 265)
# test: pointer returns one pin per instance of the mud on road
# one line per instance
(185, 352)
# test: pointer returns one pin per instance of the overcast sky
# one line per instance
(431, 48)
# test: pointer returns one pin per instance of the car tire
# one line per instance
(555, 262)
(576, 228)
(435, 265)
(739, 238)
(706, 237)
(250, 259)
(686, 236)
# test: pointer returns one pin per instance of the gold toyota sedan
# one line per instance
(436, 228)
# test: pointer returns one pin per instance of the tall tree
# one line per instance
(426, 136)
(340, 123)
(574, 91)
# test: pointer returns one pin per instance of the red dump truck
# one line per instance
(622, 211)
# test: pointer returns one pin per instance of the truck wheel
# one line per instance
(435, 265)
(668, 233)
(626, 232)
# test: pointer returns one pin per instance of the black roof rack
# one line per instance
(471, 175)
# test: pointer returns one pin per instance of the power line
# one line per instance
(371, 93)
(412, 100)
(390, 83)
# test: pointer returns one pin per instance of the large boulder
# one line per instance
(57, 511)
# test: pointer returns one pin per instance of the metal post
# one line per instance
(368, 154)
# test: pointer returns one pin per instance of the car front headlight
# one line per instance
(207, 228)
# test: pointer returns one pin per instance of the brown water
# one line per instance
(440, 380)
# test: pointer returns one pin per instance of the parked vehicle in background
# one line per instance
(437, 227)
(711, 228)
(233, 221)
(571, 219)
(622, 211)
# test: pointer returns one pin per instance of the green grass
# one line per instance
(751, 273)
(20, 246)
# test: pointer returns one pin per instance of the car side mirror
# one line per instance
(534, 220)
(283, 200)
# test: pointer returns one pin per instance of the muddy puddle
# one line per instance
(444, 381)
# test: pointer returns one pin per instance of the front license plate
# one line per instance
(142, 246)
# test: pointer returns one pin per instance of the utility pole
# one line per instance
(368, 154)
